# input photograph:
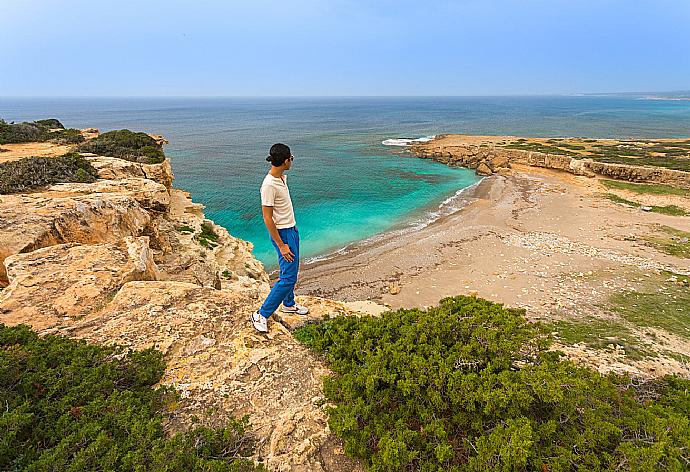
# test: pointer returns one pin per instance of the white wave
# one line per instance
(406, 141)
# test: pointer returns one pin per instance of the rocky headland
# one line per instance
(128, 259)
(660, 161)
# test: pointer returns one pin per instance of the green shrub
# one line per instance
(34, 172)
(21, 132)
(67, 136)
(50, 123)
(38, 131)
(207, 237)
(71, 406)
(125, 144)
(470, 386)
(185, 229)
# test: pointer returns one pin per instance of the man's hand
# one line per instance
(286, 252)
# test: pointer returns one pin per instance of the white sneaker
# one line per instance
(259, 321)
(298, 309)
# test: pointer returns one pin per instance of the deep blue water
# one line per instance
(345, 184)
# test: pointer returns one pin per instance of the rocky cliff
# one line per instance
(129, 259)
(487, 156)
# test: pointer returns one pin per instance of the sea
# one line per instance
(353, 177)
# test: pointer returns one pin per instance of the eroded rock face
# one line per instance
(61, 283)
(493, 159)
(149, 194)
(220, 364)
(34, 221)
(113, 168)
(122, 260)
(226, 262)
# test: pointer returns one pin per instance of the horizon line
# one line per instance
(572, 94)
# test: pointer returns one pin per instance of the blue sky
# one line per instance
(341, 47)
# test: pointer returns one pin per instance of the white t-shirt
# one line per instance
(275, 193)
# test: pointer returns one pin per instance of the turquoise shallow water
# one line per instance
(345, 184)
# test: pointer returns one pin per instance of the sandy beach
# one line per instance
(537, 239)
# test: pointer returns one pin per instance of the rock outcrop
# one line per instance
(488, 159)
(59, 284)
(124, 260)
(37, 220)
(115, 168)
(220, 364)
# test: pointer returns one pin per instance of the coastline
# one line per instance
(422, 218)
(465, 196)
(536, 239)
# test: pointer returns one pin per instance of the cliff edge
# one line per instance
(131, 260)
(658, 161)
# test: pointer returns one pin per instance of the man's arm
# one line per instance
(267, 212)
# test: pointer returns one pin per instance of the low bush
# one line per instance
(67, 136)
(50, 123)
(38, 131)
(207, 237)
(71, 406)
(470, 386)
(30, 173)
(125, 144)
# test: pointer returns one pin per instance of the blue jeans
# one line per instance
(284, 290)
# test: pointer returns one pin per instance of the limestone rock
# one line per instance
(497, 161)
(113, 168)
(33, 221)
(148, 193)
(229, 263)
(484, 169)
(495, 158)
(220, 364)
(394, 289)
(67, 281)
(320, 308)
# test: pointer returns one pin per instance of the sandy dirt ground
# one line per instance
(541, 240)
(12, 152)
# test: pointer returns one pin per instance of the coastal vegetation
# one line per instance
(672, 210)
(469, 385)
(667, 296)
(38, 131)
(35, 172)
(72, 406)
(645, 189)
(670, 241)
(185, 229)
(671, 154)
(125, 144)
(602, 334)
(207, 237)
(634, 318)
(524, 145)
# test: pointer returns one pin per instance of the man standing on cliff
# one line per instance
(279, 219)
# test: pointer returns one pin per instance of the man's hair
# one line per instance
(278, 154)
